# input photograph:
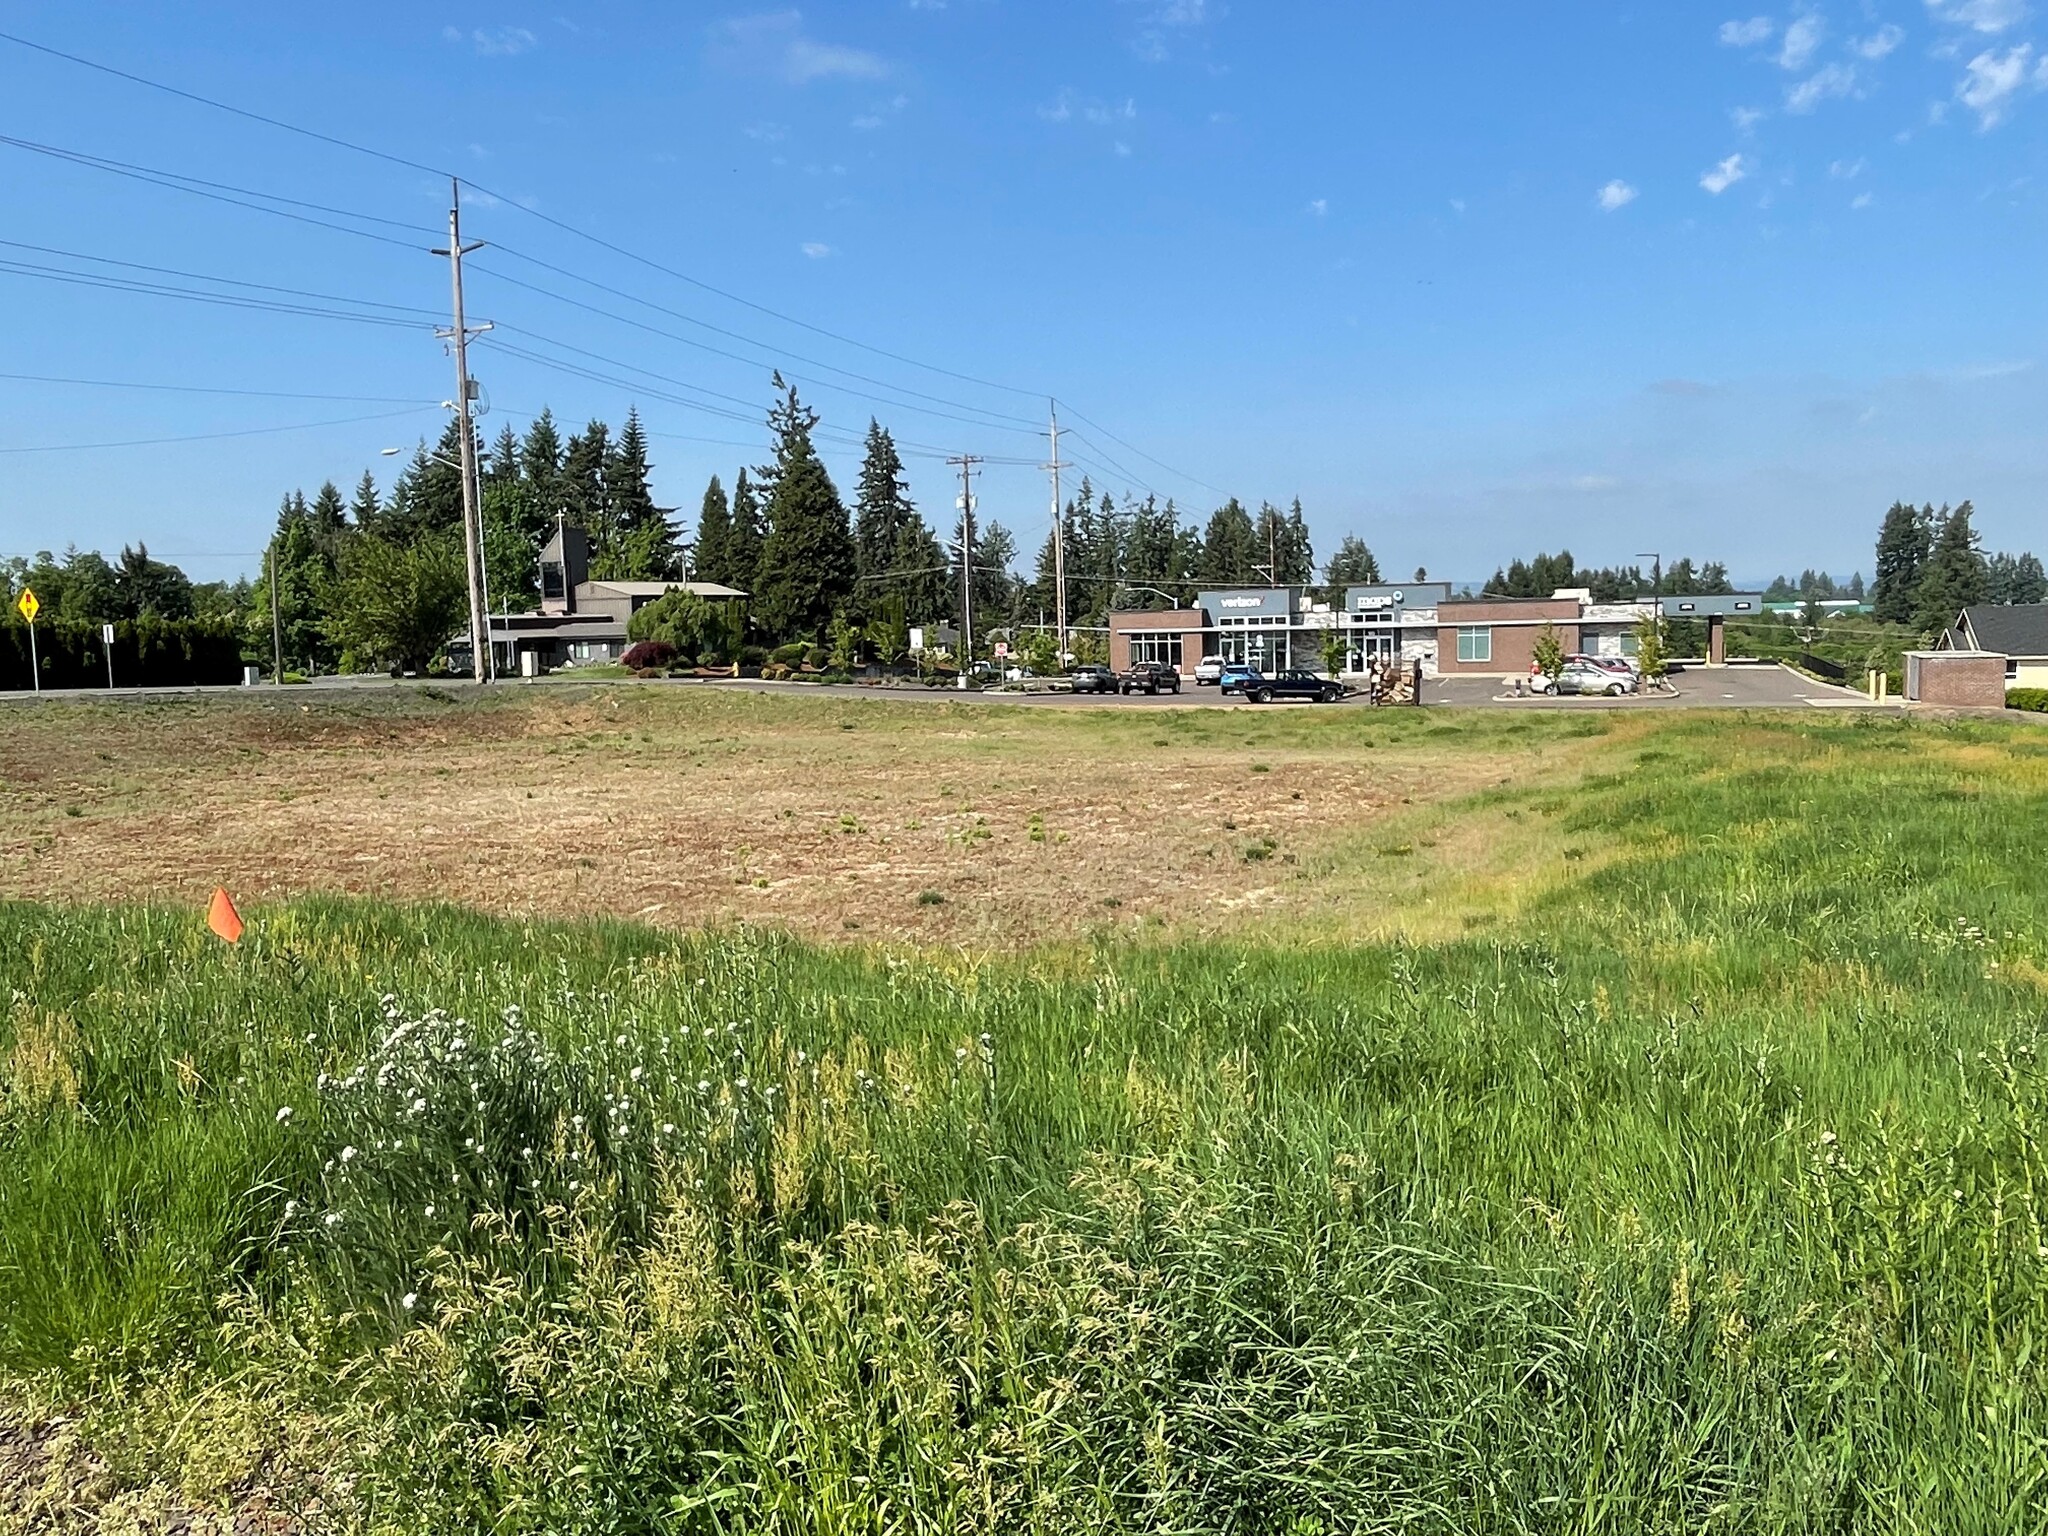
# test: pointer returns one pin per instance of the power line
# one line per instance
(208, 437)
(571, 229)
(200, 389)
(223, 300)
(207, 277)
(687, 341)
(172, 181)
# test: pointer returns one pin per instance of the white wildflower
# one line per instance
(348, 1154)
(284, 1113)
(408, 1300)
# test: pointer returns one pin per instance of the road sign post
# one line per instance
(107, 640)
(28, 605)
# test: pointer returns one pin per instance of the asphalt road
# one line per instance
(1734, 687)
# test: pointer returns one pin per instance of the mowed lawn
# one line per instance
(1628, 1125)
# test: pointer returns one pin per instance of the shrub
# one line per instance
(646, 654)
(2032, 700)
(815, 657)
(754, 656)
(789, 655)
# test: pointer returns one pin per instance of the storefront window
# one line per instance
(1475, 642)
(1156, 649)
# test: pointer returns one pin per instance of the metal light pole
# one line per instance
(472, 530)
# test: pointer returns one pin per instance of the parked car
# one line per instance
(1294, 684)
(1208, 671)
(1150, 677)
(1091, 679)
(1584, 677)
(1620, 666)
(1234, 675)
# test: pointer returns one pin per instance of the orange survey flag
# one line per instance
(222, 917)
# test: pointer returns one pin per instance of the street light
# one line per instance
(483, 562)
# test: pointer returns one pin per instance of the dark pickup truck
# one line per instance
(1294, 685)
(1150, 677)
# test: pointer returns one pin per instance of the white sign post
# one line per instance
(107, 640)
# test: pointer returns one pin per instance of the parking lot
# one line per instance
(1739, 686)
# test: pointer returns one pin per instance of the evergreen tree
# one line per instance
(503, 466)
(644, 546)
(807, 558)
(1954, 577)
(328, 520)
(1297, 554)
(920, 579)
(749, 534)
(583, 490)
(515, 528)
(1903, 546)
(367, 508)
(714, 537)
(883, 510)
(1352, 565)
(540, 463)
(1855, 588)
(1230, 547)
(2015, 579)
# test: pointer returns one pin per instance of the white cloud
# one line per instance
(816, 250)
(493, 42)
(1880, 43)
(1123, 150)
(777, 43)
(1102, 113)
(1615, 195)
(1747, 34)
(867, 122)
(1802, 41)
(1830, 83)
(1862, 200)
(1726, 174)
(1848, 170)
(1980, 15)
(1320, 207)
(1989, 81)
(766, 133)
(1746, 118)
(1457, 205)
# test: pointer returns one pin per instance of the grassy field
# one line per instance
(1666, 1158)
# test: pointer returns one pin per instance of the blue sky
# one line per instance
(1470, 279)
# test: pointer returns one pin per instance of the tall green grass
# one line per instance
(1710, 1202)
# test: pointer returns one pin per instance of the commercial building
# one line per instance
(2016, 631)
(581, 622)
(1274, 628)
(1406, 623)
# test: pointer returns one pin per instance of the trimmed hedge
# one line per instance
(148, 653)
(2033, 700)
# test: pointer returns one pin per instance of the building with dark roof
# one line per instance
(2016, 631)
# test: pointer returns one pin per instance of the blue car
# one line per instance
(1235, 675)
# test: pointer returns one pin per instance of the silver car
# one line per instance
(1583, 677)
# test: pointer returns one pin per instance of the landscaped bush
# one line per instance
(788, 655)
(644, 654)
(754, 656)
(2033, 700)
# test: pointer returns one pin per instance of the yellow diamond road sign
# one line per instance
(29, 605)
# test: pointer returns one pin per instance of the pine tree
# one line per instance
(1903, 545)
(328, 518)
(1230, 547)
(807, 559)
(714, 537)
(749, 534)
(883, 510)
(502, 467)
(540, 463)
(1297, 554)
(920, 579)
(1954, 577)
(584, 494)
(644, 544)
(1352, 565)
(367, 508)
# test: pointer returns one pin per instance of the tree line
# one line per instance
(1932, 565)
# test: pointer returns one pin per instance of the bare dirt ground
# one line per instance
(965, 823)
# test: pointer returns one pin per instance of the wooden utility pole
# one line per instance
(966, 463)
(465, 391)
(1059, 539)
